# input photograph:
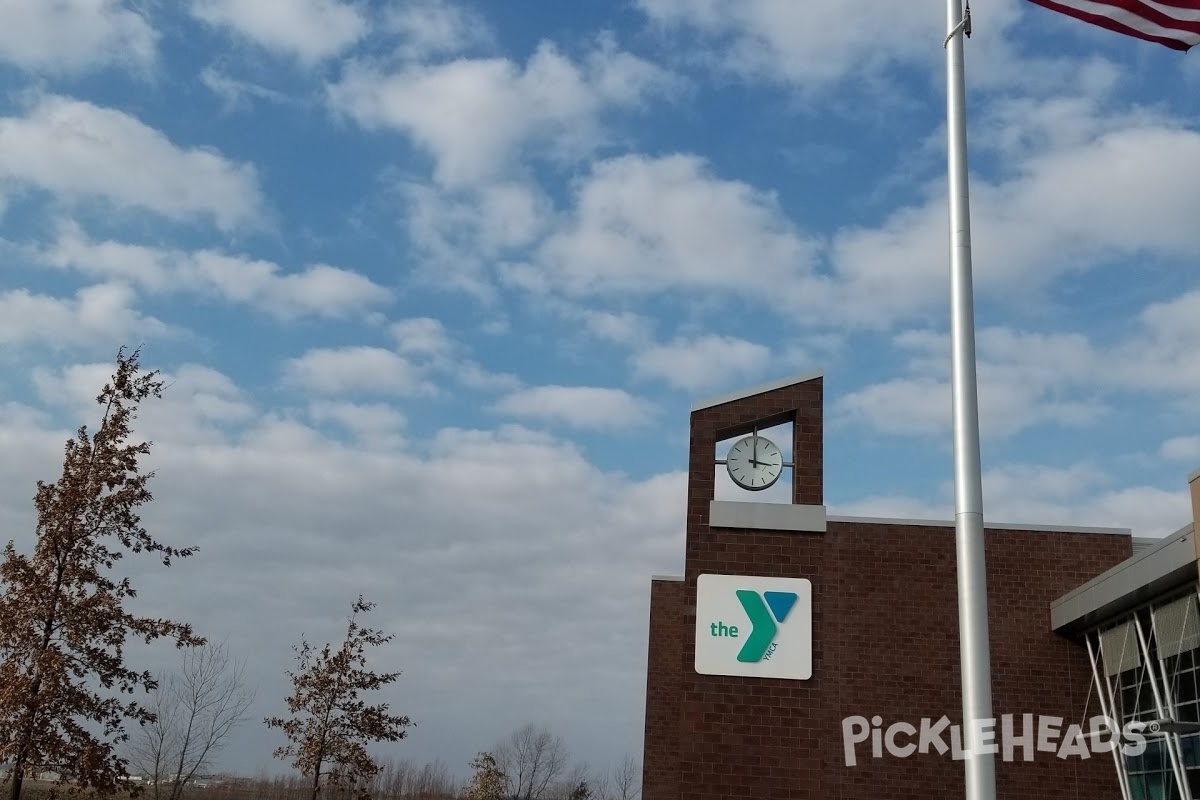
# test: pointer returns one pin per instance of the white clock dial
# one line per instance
(754, 463)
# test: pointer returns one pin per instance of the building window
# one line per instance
(1150, 774)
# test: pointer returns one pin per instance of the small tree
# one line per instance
(63, 622)
(533, 760)
(623, 782)
(487, 781)
(330, 726)
(194, 711)
(581, 791)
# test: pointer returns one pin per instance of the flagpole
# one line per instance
(968, 482)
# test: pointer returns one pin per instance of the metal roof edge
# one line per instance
(1003, 526)
(1127, 584)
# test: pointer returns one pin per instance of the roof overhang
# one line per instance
(1130, 584)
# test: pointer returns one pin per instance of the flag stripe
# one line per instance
(1173, 23)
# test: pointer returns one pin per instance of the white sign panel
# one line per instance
(754, 627)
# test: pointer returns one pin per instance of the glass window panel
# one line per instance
(1193, 776)
(1190, 745)
(1183, 686)
(1154, 786)
(1152, 759)
(1147, 708)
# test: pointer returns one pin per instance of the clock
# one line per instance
(754, 463)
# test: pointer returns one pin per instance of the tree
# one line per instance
(430, 781)
(63, 623)
(330, 727)
(488, 781)
(580, 791)
(623, 782)
(194, 711)
(532, 759)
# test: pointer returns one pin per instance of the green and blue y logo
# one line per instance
(762, 634)
(776, 642)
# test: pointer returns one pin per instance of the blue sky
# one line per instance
(436, 284)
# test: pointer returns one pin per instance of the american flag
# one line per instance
(1174, 23)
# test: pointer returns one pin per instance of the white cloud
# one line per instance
(643, 225)
(198, 402)
(462, 232)
(577, 406)
(374, 424)
(1108, 187)
(348, 370)
(620, 327)
(811, 44)
(319, 289)
(98, 317)
(237, 93)
(1181, 448)
(1025, 379)
(432, 27)
(309, 30)
(422, 336)
(1078, 494)
(1030, 378)
(702, 362)
(1091, 193)
(819, 45)
(1082, 494)
(78, 150)
(921, 407)
(425, 341)
(67, 36)
(475, 116)
(1162, 356)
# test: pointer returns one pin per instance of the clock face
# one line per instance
(754, 463)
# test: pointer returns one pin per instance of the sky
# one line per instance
(434, 286)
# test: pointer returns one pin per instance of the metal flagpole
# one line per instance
(968, 482)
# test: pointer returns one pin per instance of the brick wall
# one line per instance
(885, 640)
(660, 768)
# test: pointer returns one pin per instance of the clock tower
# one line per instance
(775, 544)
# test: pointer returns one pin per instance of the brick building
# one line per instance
(880, 636)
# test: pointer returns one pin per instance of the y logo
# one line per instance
(763, 632)
(754, 626)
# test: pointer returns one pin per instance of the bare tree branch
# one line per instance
(623, 782)
(532, 759)
(195, 710)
